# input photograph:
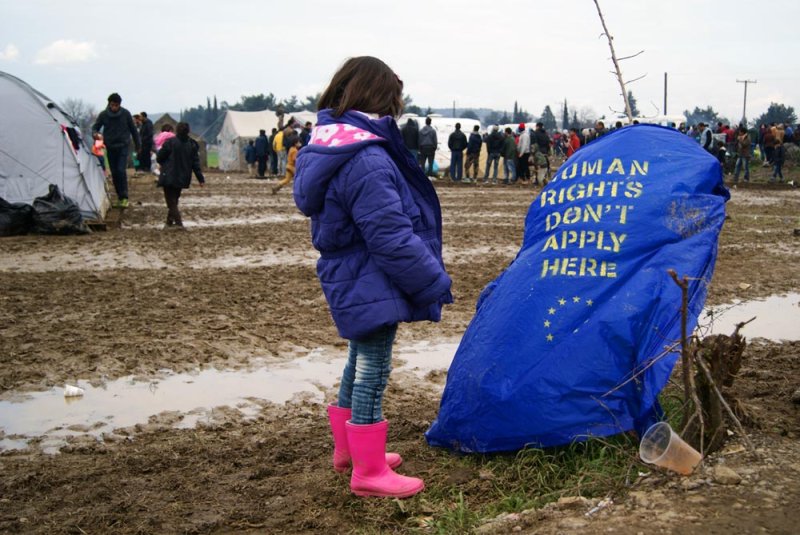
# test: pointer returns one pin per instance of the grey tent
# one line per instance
(40, 144)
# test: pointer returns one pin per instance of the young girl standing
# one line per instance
(376, 221)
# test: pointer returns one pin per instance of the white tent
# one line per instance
(241, 126)
(41, 145)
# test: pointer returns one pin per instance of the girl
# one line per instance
(376, 221)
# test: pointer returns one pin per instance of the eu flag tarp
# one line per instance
(577, 337)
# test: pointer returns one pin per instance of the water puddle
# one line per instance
(126, 402)
(777, 318)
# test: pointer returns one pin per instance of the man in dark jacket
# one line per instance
(146, 136)
(273, 156)
(116, 125)
(262, 152)
(427, 146)
(457, 142)
(178, 157)
(494, 146)
(541, 152)
(410, 133)
(473, 152)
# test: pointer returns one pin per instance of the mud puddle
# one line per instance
(52, 418)
(777, 318)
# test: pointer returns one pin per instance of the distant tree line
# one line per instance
(206, 120)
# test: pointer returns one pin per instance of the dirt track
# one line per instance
(240, 286)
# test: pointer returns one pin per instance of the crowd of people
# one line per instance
(523, 148)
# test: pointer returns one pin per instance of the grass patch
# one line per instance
(212, 158)
(463, 491)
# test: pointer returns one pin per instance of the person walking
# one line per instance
(178, 157)
(377, 223)
(743, 154)
(457, 142)
(494, 147)
(273, 156)
(427, 146)
(291, 158)
(262, 152)
(473, 153)
(115, 123)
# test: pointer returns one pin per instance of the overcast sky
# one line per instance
(170, 54)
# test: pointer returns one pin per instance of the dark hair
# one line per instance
(458, 126)
(508, 130)
(182, 130)
(427, 120)
(166, 128)
(114, 97)
(262, 131)
(476, 128)
(539, 125)
(143, 114)
(365, 84)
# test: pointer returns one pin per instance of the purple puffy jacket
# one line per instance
(376, 221)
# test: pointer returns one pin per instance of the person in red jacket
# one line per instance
(574, 142)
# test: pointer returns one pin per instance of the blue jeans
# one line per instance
(456, 165)
(493, 157)
(118, 163)
(511, 170)
(777, 172)
(741, 161)
(365, 375)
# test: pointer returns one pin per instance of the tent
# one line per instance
(167, 119)
(40, 145)
(239, 127)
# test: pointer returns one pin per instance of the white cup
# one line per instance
(71, 391)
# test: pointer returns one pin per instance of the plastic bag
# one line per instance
(56, 214)
(15, 218)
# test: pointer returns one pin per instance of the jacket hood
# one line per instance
(329, 148)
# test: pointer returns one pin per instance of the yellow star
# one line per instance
(549, 337)
(562, 301)
(547, 323)
(589, 302)
(551, 311)
(576, 299)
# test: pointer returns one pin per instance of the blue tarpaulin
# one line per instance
(577, 337)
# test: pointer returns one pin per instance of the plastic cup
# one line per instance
(662, 446)
(71, 391)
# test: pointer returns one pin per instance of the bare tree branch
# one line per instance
(618, 72)
(632, 56)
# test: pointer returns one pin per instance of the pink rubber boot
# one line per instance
(337, 416)
(371, 475)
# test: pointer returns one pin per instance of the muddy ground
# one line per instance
(239, 287)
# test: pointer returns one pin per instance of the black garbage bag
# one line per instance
(56, 214)
(15, 218)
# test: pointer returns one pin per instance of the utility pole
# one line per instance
(744, 108)
(454, 109)
(665, 93)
